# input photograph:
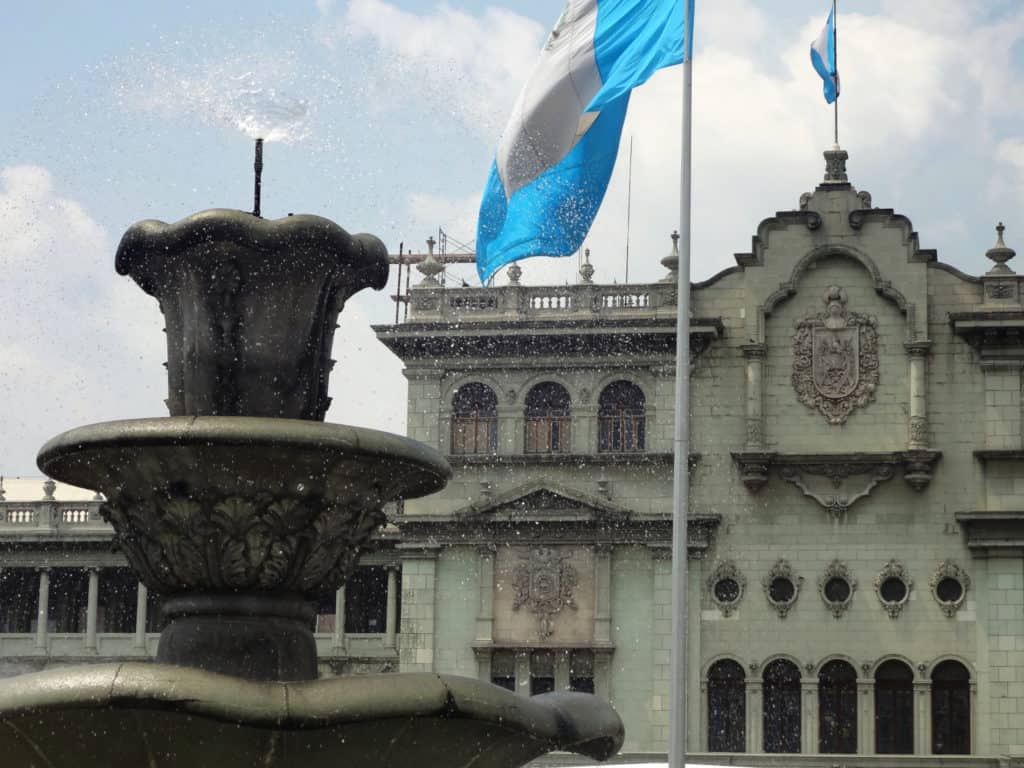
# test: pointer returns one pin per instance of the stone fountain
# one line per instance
(240, 508)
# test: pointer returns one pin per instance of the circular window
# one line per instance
(727, 590)
(781, 590)
(837, 590)
(949, 590)
(893, 590)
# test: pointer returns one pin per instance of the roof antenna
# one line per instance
(257, 166)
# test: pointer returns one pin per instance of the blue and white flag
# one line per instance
(556, 155)
(823, 57)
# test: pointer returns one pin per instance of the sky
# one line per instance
(384, 117)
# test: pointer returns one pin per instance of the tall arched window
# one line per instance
(781, 706)
(837, 708)
(951, 709)
(727, 707)
(547, 419)
(620, 417)
(894, 709)
(474, 419)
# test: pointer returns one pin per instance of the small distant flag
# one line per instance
(823, 57)
(556, 155)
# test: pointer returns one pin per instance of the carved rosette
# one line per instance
(835, 359)
(220, 543)
(837, 570)
(544, 584)
(726, 571)
(949, 570)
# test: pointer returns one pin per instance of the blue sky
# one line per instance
(114, 112)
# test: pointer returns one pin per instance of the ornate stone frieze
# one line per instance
(836, 587)
(544, 584)
(223, 543)
(949, 584)
(782, 587)
(835, 359)
(726, 586)
(841, 485)
(891, 594)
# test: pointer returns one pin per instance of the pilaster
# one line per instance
(917, 437)
(809, 715)
(92, 610)
(922, 717)
(416, 642)
(603, 594)
(391, 615)
(43, 608)
(485, 616)
(865, 716)
(754, 354)
(141, 609)
(338, 640)
(755, 712)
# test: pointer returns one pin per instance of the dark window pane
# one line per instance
(325, 613)
(581, 671)
(894, 709)
(949, 590)
(951, 709)
(837, 590)
(781, 697)
(474, 420)
(893, 590)
(781, 590)
(727, 708)
(366, 600)
(69, 596)
(118, 601)
(503, 669)
(837, 708)
(19, 598)
(727, 590)
(621, 419)
(155, 619)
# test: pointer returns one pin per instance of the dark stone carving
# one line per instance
(812, 219)
(544, 584)
(1000, 290)
(856, 219)
(838, 504)
(250, 306)
(835, 359)
(729, 573)
(949, 571)
(837, 603)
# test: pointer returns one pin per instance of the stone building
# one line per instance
(856, 539)
(856, 572)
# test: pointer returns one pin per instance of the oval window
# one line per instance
(837, 590)
(727, 590)
(781, 590)
(893, 590)
(949, 590)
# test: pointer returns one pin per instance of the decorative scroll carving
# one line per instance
(835, 359)
(726, 571)
(221, 543)
(949, 570)
(544, 583)
(812, 219)
(836, 603)
(999, 290)
(782, 571)
(755, 430)
(893, 570)
(839, 479)
(919, 430)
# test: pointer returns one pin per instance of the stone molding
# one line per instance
(918, 469)
(948, 569)
(726, 569)
(837, 569)
(782, 569)
(893, 569)
(989, 533)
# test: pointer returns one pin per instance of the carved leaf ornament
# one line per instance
(544, 584)
(835, 359)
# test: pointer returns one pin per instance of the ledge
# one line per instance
(1000, 454)
(839, 469)
(988, 531)
(572, 459)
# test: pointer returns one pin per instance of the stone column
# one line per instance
(584, 424)
(603, 594)
(923, 717)
(141, 609)
(754, 421)
(43, 614)
(510, 422)
(865, 716)
(338, 640)
(523, 673)
(702, 706)
(809, 715)
(755, 712)
(562, 663)
(918, 425)
(391, 618)
(92, 609)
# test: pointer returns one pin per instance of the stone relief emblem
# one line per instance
(835, 358)
(544, 583)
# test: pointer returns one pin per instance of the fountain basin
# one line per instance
(240, 521)
(149, 714)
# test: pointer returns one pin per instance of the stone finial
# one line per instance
(1000, 253)
(671, 262)
(430, 267)
(514, 273)
(48, 488)
(835, 165)
(587, 269)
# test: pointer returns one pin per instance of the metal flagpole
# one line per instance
(835, 78)
(681, 439)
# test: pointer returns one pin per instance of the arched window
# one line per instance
(727, 707)
(620, 417)
(547, 419)
(781, 707)
(894, 709)
(474, 419)
(951, 709)
(837, 708)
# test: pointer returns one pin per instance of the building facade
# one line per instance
(856, 539)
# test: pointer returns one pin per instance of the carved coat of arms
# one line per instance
(544, 583)
(835, 359)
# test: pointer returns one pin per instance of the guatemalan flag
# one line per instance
(823, 57)
(556, 155)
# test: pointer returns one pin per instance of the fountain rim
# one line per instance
(58, 457)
